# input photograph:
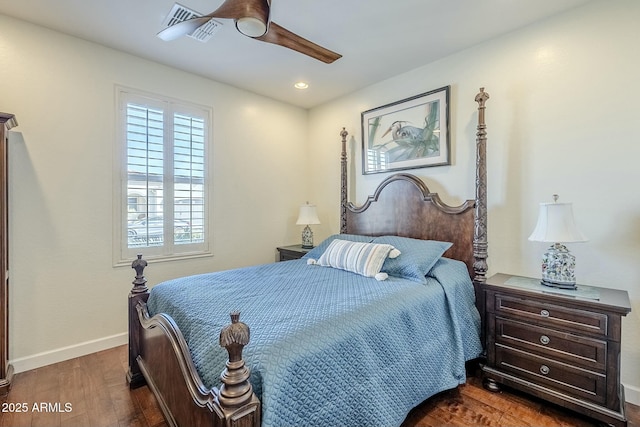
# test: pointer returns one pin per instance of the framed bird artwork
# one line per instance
(407, 134)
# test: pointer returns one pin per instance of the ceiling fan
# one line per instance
(253, 19)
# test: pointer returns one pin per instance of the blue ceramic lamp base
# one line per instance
(307, 238)
(558, 267)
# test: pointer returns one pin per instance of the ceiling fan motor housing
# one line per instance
(253, 17)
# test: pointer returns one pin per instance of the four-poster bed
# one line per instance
(402, 211)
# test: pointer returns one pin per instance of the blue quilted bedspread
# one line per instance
(329, 347)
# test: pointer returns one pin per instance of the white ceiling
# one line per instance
(377, 38)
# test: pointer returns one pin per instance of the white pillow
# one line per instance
(365, 259)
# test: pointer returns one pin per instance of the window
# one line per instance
(163, 188)
(377, 159)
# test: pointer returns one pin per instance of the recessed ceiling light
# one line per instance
(301, 85)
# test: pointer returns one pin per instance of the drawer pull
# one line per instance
(544, 369)
(544, 339)
(544, 313)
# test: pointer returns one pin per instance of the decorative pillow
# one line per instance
(365, 259)
(317, 252)
(418, 256)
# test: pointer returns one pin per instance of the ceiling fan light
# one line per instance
(252, 27)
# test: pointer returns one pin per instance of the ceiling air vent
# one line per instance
(180, 13)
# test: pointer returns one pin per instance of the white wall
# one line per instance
(562, 118)
(64, 289)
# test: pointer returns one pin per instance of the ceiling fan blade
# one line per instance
(283, 37)
(183, 28)
(230, 9)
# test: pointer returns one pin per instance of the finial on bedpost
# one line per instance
(481, 98)
(480, 230)
(343, 182)
(140, 282)
(236, 389)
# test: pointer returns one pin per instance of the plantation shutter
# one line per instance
(163, 183)
(188, 178)
(145, 176)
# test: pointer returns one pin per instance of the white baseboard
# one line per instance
(27, 363)
(632, 394)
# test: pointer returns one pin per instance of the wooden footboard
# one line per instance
(160, 358)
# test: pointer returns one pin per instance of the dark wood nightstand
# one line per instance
(291, 252)
(561, 346)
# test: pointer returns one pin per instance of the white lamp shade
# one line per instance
(556, 224)
(307, 215)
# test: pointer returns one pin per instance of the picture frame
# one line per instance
(407, 134)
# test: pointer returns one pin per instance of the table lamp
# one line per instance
(306, 217)
(556, 225)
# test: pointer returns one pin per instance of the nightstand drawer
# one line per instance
(564, 378)
(288, 253)
(586, 352)
(554, 316)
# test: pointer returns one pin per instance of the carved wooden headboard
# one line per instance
(402, 205)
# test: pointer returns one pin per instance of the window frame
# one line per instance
(122, 254)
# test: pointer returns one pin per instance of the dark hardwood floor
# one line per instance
(92, 391)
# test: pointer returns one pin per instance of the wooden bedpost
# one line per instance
(480, 230)
(237, 401)
(480, 243)
(343, 182)
(139, 293)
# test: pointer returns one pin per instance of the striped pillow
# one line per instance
(365, 259)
